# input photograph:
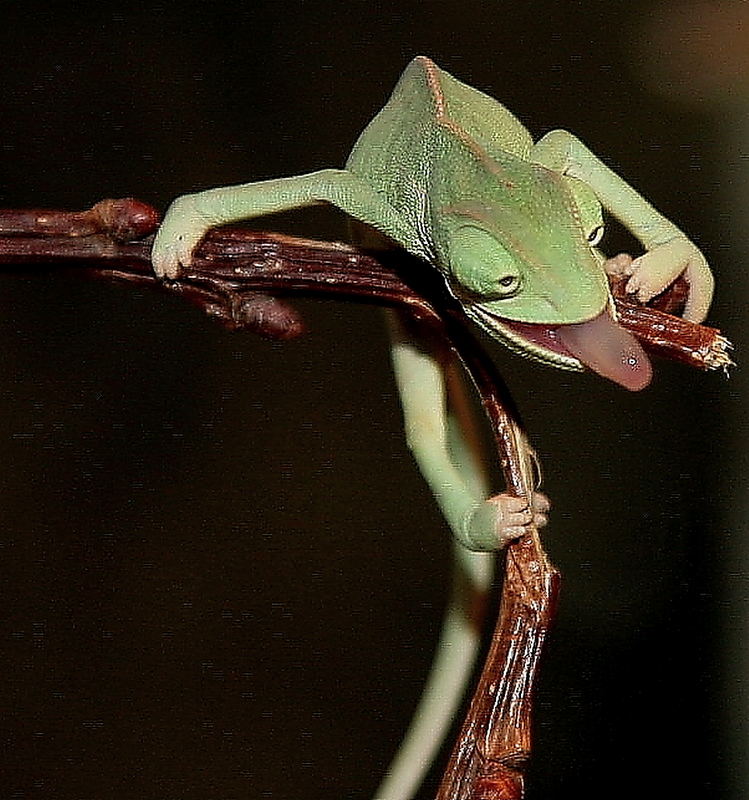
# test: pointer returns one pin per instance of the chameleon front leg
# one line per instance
(442, 436)
(670, 252)
(192, 215)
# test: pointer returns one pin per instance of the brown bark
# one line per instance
(234, 272)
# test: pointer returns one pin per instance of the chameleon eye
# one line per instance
(508, 285)
(481, 265)
(595, 236)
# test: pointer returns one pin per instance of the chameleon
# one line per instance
(512, 227)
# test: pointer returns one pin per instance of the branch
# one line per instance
(233, 270)
(232, 278)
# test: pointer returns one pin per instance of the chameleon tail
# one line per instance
(451, 671)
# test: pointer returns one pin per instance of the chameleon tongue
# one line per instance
(605, 347)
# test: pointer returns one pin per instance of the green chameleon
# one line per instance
(451, 176)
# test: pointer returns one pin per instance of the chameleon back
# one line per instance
(399, 149)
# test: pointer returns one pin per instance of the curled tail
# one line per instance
(451, 671)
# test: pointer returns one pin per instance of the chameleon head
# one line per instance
(533, 281)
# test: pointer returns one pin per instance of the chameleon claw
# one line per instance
(541, 503)
(166, 263)
(504, 517)
(658, 268)
(177, 238)
(618, 266)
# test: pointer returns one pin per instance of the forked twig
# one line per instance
(233, 277)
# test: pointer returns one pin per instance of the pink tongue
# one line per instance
(609, 350)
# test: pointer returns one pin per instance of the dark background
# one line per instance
(222, 573)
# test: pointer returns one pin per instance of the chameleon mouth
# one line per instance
(600, 344)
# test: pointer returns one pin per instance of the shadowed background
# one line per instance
(222, 573)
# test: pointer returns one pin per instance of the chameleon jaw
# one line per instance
(600, 344)
(534, 341)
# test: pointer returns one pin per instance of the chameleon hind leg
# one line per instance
(191, 216)
(435, 417)
(442, 435)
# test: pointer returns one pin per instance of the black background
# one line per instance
(222, 573)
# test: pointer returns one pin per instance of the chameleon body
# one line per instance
(450, 175)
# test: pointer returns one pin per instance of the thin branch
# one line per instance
(234, 270)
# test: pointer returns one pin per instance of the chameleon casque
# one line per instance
(451, 176)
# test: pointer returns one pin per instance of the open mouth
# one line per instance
(600, 344)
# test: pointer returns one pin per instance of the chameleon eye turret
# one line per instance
(479, 265)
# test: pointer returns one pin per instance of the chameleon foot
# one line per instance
(657, 269)
(504, 517)
(618, 266)
(180, 233)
